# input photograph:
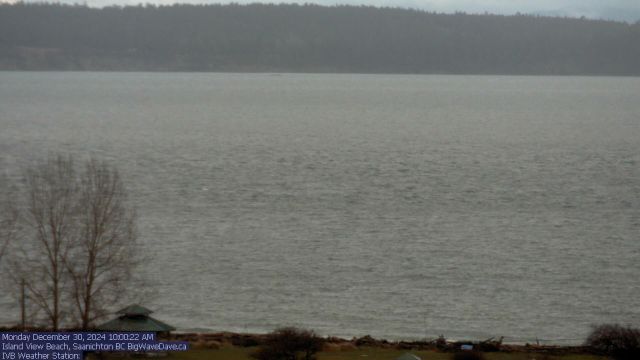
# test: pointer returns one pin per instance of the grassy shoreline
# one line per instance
(371, 353)
(236, 346)
(240, 346)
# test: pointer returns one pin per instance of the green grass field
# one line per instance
(237, 353)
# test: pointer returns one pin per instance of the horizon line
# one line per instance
(540, 14)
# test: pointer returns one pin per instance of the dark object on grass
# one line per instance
(290, 344)
(615, 341)
(468, 355)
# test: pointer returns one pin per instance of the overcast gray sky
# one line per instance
(628, 10)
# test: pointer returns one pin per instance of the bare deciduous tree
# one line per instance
(80, 241)
(50, 208)
(102, 257)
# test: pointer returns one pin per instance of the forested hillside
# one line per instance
(309, 38)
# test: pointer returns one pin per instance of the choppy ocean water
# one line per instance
(396, 206)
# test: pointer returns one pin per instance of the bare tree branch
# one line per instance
(103, 257)
(80, 240)
(51, 192)
(8, 216)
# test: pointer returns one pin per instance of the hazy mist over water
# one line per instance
(396, 206)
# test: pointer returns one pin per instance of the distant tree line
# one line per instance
(309, 38)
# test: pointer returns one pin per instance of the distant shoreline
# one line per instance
(311, 39)
(284, 73)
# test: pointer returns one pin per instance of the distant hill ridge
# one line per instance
(310, 38)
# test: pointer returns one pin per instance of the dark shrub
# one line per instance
(244, 340)
(366, 340)
(615, 341)
(289, 344)
(468, 355)
(441, 342)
